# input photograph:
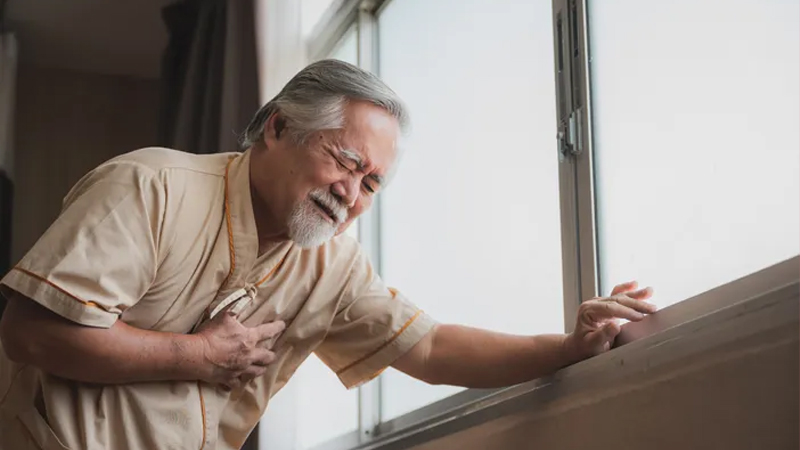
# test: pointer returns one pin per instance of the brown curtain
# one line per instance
(8, 78)
(209, 76)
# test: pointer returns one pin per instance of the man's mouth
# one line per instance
(328, 213)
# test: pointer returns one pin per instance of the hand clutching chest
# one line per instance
(244, 338)
(237, 353)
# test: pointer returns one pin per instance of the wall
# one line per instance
(66, 123)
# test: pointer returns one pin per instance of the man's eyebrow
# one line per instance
(356, 158)
(353, 156)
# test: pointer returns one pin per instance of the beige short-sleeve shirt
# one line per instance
(159, 238)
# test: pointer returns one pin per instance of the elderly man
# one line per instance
(176, 293)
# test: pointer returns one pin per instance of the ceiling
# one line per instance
(120, 37)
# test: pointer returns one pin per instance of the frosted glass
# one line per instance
(470, 225)
(696, 119)
(325, 409)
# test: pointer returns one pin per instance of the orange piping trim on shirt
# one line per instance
(203, 411)
(374, 375)
(232, 251)
(62, 290)
(271, 272)
(231, 247)
(384, 345)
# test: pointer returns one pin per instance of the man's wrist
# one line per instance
(189, 357)
(570, 350)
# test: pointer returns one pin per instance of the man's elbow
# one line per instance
(417, 361)
(15, 331)
(15, 349)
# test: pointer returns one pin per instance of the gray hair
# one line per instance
(316, 97)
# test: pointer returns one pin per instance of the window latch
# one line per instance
(570, 136)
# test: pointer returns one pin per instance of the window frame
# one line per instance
(719, 307)
(574, 149)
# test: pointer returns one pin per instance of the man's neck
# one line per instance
(270, 231)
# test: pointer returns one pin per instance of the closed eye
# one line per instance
(372, 183)
(341, 165)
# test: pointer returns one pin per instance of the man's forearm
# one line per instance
(120, 354)
(475, 358)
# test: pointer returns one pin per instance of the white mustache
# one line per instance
(330, 202)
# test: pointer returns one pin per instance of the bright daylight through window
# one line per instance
(470, 226)
(696, 142)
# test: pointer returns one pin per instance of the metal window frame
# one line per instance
(333, 24)
(369, 406)
(574, 147)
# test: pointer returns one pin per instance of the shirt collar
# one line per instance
(241, 225)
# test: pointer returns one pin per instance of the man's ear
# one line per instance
(275, 126)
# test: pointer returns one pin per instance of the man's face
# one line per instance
(318, 188)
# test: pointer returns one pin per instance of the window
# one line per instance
(347, 48)
(687, 176)
(470, 225)
(695, 137)
(311, 12)
(325, 409)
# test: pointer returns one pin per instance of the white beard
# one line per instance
(308, 228)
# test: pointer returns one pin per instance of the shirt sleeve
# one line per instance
(99, 257)
(372, 329)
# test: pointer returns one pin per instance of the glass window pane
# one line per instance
(470, 225)
(311, 12)
(325, 409)
(347, 48)
(696, 136)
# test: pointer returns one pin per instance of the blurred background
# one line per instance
(656, 141)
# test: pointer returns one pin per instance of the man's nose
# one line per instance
(347, 191)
